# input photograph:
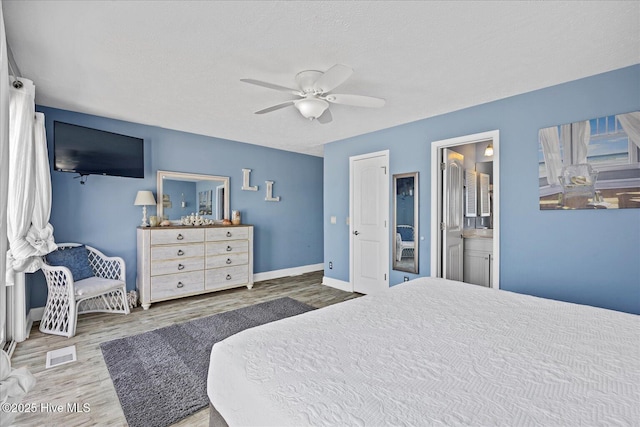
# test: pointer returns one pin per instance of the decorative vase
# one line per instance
(153, 221)
(235, 217)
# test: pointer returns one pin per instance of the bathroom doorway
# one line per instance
(465, 195)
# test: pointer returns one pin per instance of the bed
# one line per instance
(432, 352)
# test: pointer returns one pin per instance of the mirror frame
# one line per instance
(189, 177)
(416, 219)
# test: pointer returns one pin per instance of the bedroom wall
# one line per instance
(588, 257)
(101, 213)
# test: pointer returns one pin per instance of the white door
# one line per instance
(452, 209)
(370, 216)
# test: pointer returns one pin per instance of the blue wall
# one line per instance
(588, 257)
(177, 191)
(101, 213)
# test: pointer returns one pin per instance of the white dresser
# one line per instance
(175, 262)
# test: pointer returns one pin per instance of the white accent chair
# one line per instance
(405, 241)
(104, 292)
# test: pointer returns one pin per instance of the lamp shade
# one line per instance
(144, 198)
(311, 108)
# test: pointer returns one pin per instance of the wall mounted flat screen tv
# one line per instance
(89, 151)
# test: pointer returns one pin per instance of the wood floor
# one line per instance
(87, 381)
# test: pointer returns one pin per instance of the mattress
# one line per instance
(433, 352)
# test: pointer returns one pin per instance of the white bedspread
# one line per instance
(433, 352)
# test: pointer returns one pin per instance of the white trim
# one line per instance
(19, 309)
(27, 328)
(286, 272)
(337, 284)
(436, 146)
(35, 314)
(352, 159)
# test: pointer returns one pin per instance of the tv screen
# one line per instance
(95, 152)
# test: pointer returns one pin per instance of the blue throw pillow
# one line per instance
(75, 259)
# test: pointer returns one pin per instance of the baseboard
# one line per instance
(286, 272)
(35, 315)
(27, 332)
(338, 284)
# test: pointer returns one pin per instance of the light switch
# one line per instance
(334, 220)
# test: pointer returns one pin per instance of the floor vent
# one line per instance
(61, 356)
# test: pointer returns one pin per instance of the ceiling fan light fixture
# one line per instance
(311, 108)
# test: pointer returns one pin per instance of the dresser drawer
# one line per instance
(176, 265)
(175, 285)
(226, 260)
(229, 247)
(186, 235)
(177, 251)
(231, 233)
(226, 277)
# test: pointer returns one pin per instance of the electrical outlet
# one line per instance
(330, 265)
(406, 278)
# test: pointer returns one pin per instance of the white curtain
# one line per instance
(631, 125)
(580, 137)
(29, 196)
(4, 172)
(550, 142)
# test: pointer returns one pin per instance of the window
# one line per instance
(609, 144)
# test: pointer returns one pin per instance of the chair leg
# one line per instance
(73, 319)
(58, 317)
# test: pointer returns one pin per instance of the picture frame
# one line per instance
(590, 164)
(205, 202)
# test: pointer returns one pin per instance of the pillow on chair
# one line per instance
(75, 258)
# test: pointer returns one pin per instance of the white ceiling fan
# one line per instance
(314, 87)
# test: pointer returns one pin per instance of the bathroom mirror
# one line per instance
(181, 194)
(405, 217)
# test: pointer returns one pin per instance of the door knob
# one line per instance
(356, 232)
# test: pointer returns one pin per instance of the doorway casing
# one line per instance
(437, 194)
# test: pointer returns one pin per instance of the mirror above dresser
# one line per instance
(182, 194)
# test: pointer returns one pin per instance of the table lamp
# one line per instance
(144, 199)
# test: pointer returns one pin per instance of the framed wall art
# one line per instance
(591, 164)
(205, 202)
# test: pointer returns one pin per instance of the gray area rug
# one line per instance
(161, 376)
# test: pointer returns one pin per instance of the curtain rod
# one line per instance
(13, 69)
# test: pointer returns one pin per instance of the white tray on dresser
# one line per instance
(179, 261)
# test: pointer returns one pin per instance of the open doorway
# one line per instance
(465, 206)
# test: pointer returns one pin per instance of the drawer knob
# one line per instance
(228, 234)
(228, 260)
(229, 249)
(180, 237)
(180, 285)
(180, 267)
(228, 277)
(180, 252)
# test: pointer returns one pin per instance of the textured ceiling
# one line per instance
(178, 64)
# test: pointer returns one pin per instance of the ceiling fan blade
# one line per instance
(356, 100)
(332, 78)
(272, 86)
(326, 117)
(275, 107)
